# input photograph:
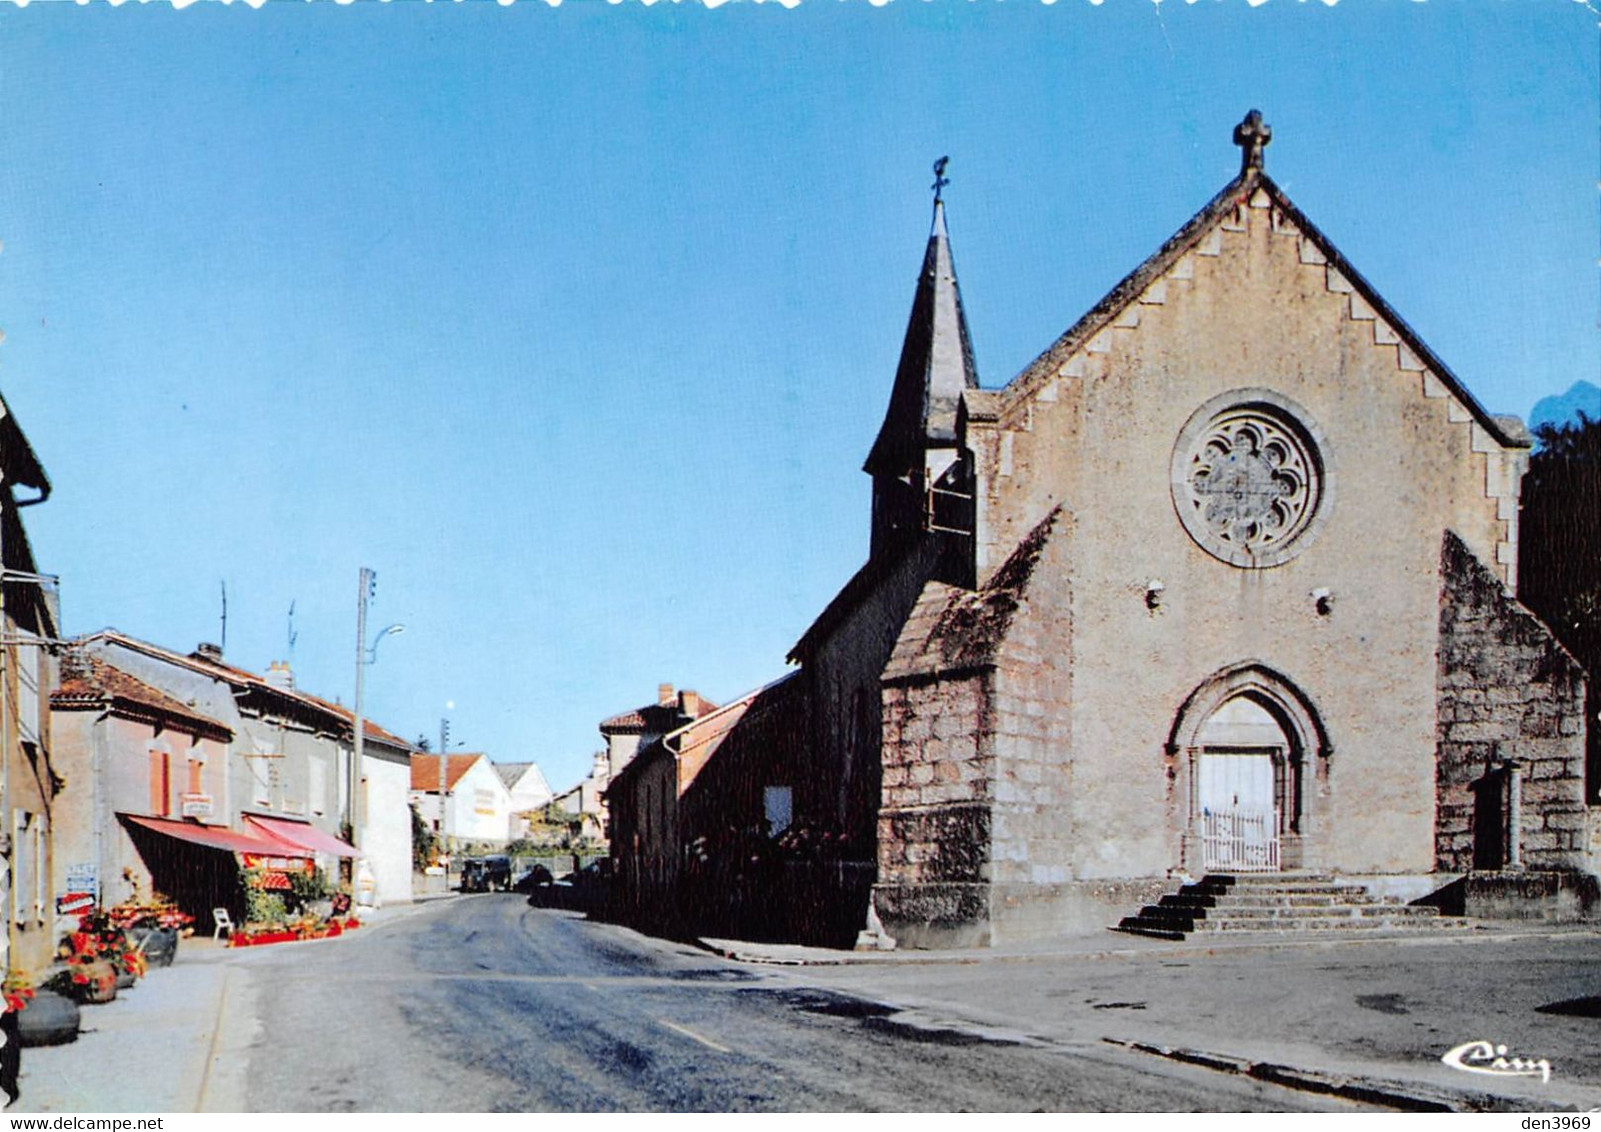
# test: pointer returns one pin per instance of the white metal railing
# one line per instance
(1240, 841)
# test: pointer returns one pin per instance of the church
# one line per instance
(1222, 582)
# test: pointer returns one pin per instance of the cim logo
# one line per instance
(1490, 1059)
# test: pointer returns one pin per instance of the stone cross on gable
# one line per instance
(1252, 136)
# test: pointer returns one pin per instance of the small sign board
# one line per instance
(74, 903)
(82, 877)
(283, 864)
(195, 805)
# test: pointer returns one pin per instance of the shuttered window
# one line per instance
(160, 785)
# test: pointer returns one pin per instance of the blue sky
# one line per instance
(576, 323)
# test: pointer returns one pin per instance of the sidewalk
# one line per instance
(177, 1041)
(1367, 1018)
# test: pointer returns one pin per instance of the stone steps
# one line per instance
(1278, 903)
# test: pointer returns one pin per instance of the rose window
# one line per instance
(1247, 483)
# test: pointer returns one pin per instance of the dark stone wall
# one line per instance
(1506, 691)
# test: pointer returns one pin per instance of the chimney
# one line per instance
(600, 768)
(664, 695)
(689, 704)
(280, 676)
(205, 650)
(74, 664)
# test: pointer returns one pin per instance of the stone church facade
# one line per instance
(1222, 581)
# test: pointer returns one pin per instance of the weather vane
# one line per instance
(940, 179)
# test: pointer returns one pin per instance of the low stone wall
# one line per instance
(1550, 897)
(984, 915)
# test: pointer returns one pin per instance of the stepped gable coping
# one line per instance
(1235, 194)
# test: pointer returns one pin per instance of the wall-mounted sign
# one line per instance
(195, 805)
(282, 864)
(74, 903)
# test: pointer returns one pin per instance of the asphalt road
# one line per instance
(486, 1004)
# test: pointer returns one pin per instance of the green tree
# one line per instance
(1559, 555)
(1559, 568)
(423, 841)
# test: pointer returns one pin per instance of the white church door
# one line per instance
(1240, 788)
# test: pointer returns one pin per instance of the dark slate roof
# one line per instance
(1236, 193)
(21, 465)
(510, 772)
(936, 365)
(861, 585)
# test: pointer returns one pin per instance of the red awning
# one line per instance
(212, 836)
(300, 836)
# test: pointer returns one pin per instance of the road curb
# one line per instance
(795, 955)
(1406, 1096)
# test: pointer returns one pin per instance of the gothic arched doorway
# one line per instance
(1241, 749)
(1242, 787)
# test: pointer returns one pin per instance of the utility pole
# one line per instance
(444, 810)
(366, 590)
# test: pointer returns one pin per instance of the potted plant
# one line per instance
(153, 927)
(44, 1017)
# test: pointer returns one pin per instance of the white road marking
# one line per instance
(693, 1036)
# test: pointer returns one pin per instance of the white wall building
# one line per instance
(478, 805)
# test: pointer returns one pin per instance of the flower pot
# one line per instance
(51, 1019)
(160, 945)
(102, 984)
(125, 978)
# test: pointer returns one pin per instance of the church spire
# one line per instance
(936, 362)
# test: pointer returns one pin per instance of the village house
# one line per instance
(703, 838)
(188, 769)
(1221, 582)
(30, 780)
(529, 791)
(625, 735)
(478, 807)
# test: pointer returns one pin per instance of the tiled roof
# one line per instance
(240, 677)
(425, 771)
(654, 717)
(369, 729)
(88, 681)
